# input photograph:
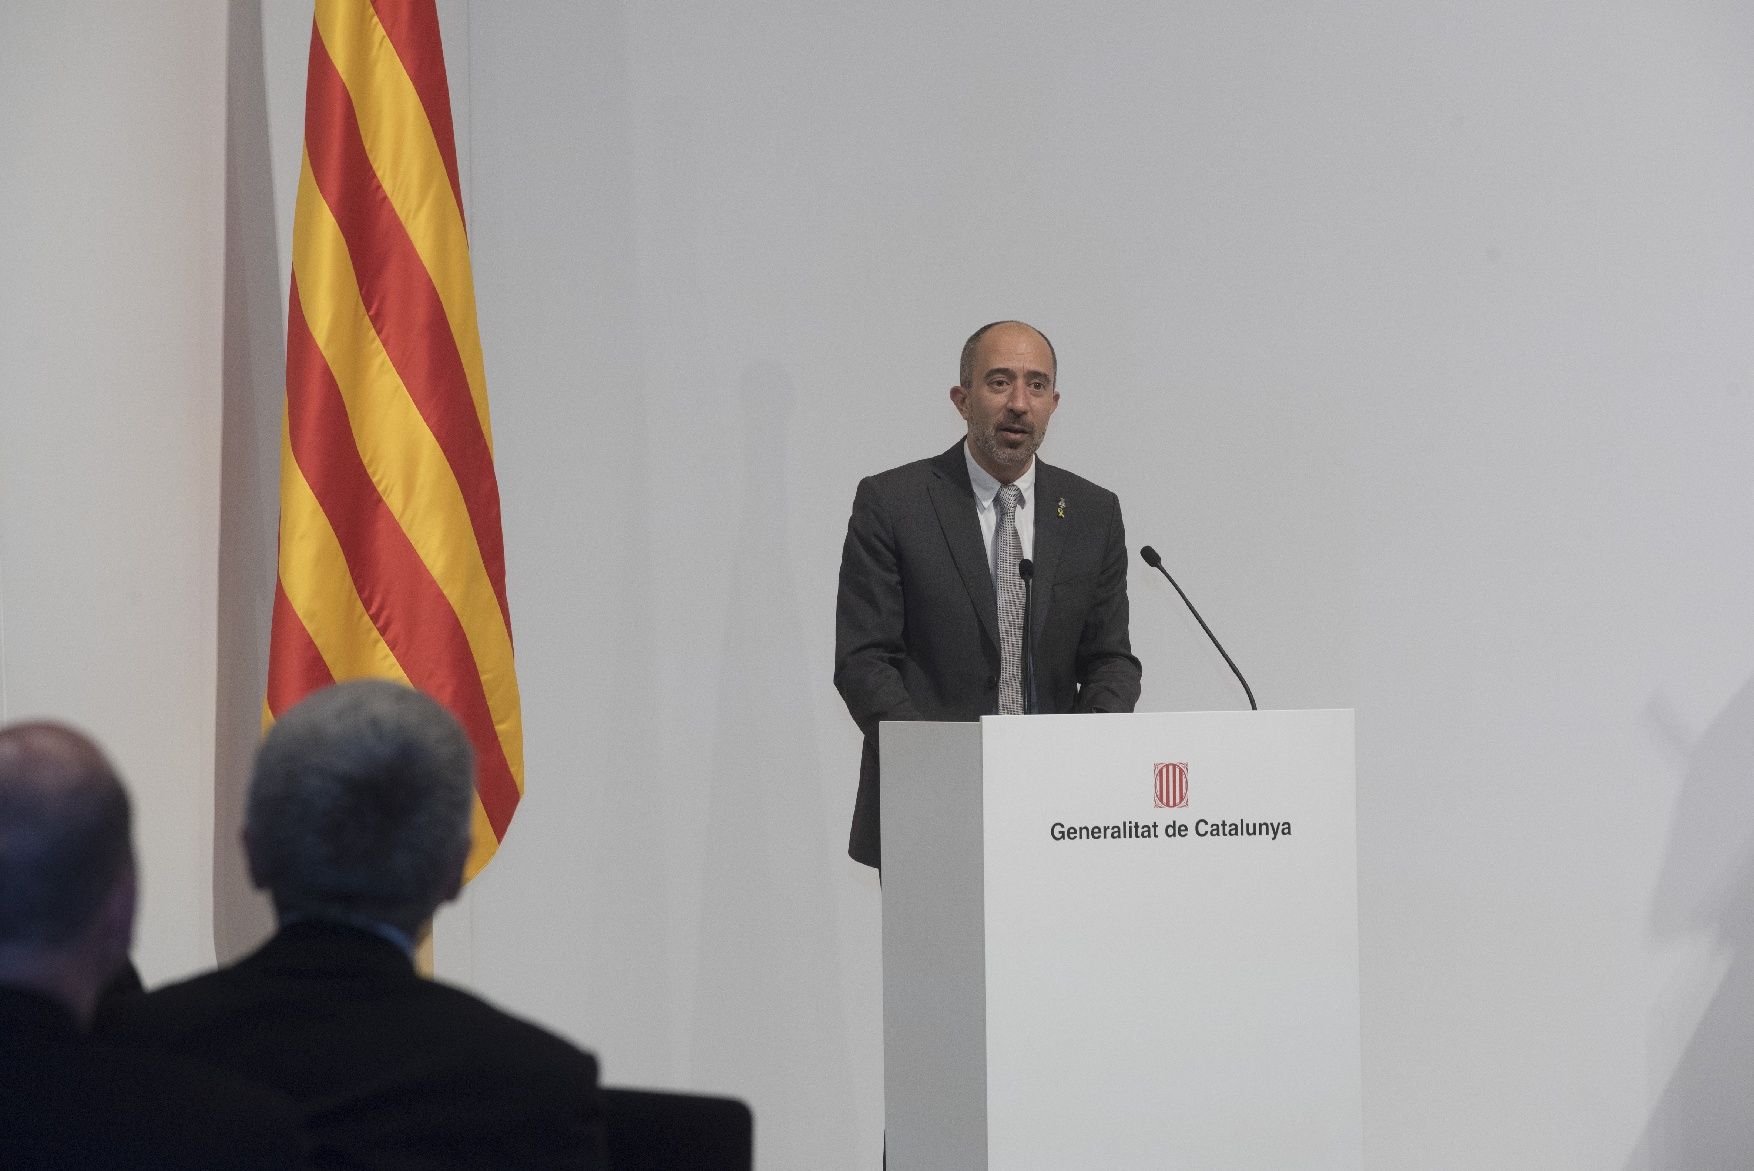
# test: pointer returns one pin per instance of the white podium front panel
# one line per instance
(1220, 944)
(1169, 974)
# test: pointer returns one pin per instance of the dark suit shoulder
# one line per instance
(93, 1107)
(1051, 480)
(392, 1070)
(278, 1000)
(158, 1018)
(505, 1032)
(946, 466)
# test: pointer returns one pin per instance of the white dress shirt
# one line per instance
(986, 501)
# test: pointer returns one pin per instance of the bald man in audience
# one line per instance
(357, 824)
(67, 895)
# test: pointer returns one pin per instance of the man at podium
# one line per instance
(944, 556)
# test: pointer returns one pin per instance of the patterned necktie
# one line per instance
(1010, 603)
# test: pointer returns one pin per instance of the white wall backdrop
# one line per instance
(112, 240)
(1416, 337)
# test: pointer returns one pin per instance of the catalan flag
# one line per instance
(391, 559)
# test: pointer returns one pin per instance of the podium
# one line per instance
(1121, 942)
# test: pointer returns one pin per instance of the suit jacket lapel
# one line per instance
(1050, 538)
(953, 498)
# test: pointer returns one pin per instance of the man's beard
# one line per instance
(987, 443)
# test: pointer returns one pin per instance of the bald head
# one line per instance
(966, 372)
(64, 833)
(66, 866)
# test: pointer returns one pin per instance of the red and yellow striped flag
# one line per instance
(391, 561)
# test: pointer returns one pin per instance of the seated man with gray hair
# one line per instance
(357, 824)
(67, 893)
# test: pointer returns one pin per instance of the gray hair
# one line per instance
(965, 370)
(360, 805)
(65, 837)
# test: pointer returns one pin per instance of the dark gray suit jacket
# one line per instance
(917, 622)
(391, 1070)
(68, 1101)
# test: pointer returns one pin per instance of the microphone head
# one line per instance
(1150, 556)
(1026, 569)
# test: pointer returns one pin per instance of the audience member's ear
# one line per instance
(102, 947)
(115, 918)
(257, 878)
(454, 885)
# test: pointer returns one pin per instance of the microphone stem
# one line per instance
(1227, 659)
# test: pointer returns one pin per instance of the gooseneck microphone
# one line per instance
(1155, 562)
(1026, 571)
